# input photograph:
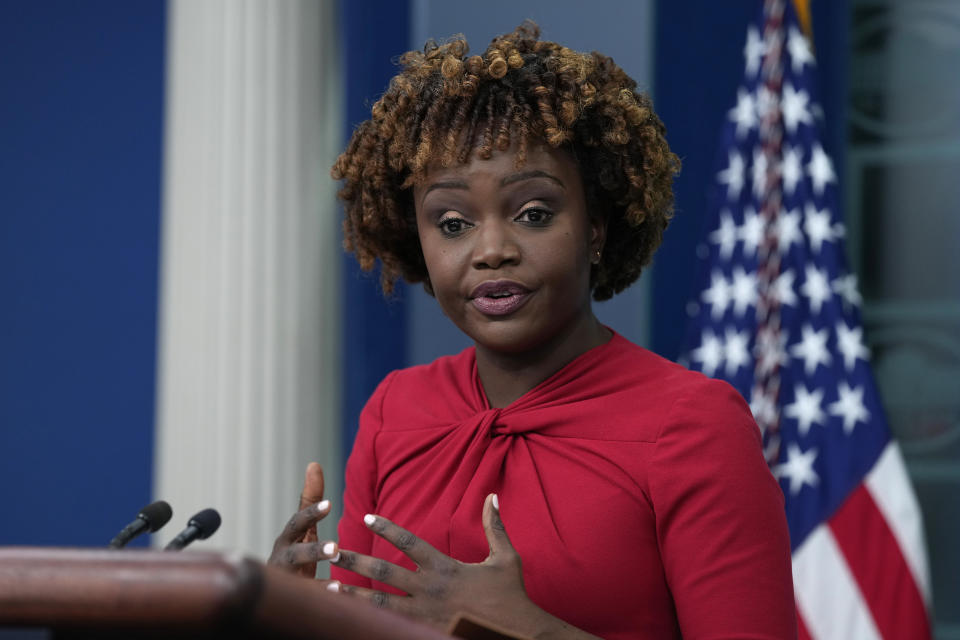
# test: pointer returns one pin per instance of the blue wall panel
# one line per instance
(375, 33)
(81, 104)
(699, 62)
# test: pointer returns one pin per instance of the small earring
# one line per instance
(596, 260)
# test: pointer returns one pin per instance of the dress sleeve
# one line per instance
(360, 483)
(721, 523)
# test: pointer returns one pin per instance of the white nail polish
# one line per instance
(323, 506)
(335, 559)
(334, 587)
(329, 548)
(496, 502)
(369, 519)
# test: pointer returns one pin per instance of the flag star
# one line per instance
(798, 468)
(817, 226)
(709, 353)
(759, 174)
(725, 235)
(735, 350)
(799, 49)
(850, 344)
(812, 349)
(743, 290)
(770, 350)
(733, 175)
(850, 407)
(745, 113)
(820, 169)
(846, 286)
(795, 108)
(806, 408)
(717, 295)
(753, 51)
(751, 231)
(816, 288)
(783, 289)
(788, 230)
(791, 168)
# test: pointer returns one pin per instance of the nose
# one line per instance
(495, 246)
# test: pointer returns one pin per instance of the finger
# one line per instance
(306, 553)
(312, 485)
(497, 538)
(302, 522)
(379, 599)
(422, 553)
(377, 569)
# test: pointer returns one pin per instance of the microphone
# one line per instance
(201, 525)
(152, 517)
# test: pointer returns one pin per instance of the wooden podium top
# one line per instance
(187, 594)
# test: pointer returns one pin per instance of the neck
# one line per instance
(507, 376)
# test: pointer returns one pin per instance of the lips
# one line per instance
(499, 298)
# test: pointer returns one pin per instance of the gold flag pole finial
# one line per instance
(803, 15)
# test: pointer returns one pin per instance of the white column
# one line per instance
(249, 367)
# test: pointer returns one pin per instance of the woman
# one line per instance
(517, 185)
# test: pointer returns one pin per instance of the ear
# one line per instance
(598, 237)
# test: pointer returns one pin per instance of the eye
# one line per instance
(535, 216)
(452, 225)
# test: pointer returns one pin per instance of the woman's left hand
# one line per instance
(441, 587)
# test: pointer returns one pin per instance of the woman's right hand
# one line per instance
(297, 549)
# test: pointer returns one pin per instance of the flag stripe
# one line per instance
(882, 573)
(890, 487)
(802, 633)
(828, 597)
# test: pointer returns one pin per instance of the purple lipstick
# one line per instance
(499, 298)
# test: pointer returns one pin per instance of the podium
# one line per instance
(99, 593)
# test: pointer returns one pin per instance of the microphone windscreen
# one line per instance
(207, 521)
(156, 514)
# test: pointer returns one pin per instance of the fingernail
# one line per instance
(329, 548)
(335, 559)
(369, 519)
(334, 587)
(323, 505)
(496, 502)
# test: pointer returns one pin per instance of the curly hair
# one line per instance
(444, 105)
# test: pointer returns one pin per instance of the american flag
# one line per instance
(778, 316)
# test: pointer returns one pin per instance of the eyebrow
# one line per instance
(528, 175)
(510, 179)
(449, 184)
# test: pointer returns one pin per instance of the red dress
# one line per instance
(634, 490)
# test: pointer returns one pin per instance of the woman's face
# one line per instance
(509, 250)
